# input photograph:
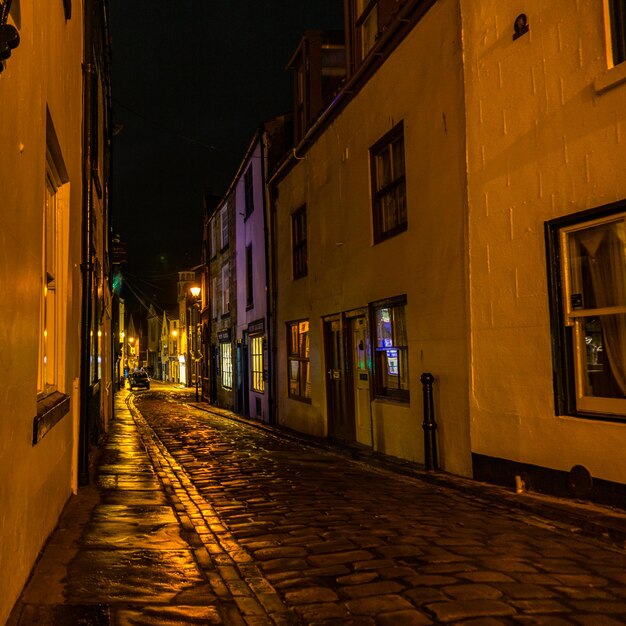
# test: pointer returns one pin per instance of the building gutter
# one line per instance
(269, 317)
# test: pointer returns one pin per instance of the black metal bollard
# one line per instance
(429, 425)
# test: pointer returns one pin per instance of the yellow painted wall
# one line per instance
(346, 271)
(542, 142)
(45, 70)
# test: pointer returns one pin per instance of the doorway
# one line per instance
(348, 358)
(359, 351)
(243, 380)
(339, 425)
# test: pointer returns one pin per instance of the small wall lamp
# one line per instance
(520, 26)
(9, 37)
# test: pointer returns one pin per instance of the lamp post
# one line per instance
(195, 294)
(131, 351)
(122, 378)
(173, 356)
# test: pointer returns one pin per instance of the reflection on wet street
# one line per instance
(199, 518)
(340, 541)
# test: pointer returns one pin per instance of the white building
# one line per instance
(55, 301)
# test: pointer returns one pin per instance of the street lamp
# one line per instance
(122, 377)
(195, 294)
(173, 356)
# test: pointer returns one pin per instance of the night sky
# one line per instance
(191, 82)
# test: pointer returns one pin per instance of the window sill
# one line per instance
(300, 399)
(610, 79)
(390, 234)
(393, 401)
(50, 410)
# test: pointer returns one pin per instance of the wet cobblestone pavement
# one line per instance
(202, 519)
(343, 544)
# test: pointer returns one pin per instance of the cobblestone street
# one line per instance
(196, 517)
(344, 543)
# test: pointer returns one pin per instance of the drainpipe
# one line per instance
(107, 169)
(269, 313)
(89, 74)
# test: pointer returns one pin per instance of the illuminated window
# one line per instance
(256, 356)
(299, 242)
(366, 24)
(588, 294)
(617, 16)
(298, 365)
(226, 362)
(388, 185)
(391, 363)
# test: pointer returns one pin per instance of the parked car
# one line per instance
(139, 379)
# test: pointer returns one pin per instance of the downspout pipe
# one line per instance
(89, 78)
(269, 311)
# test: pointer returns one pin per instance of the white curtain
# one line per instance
(604, 247)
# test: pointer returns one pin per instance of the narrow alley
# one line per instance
(198, 518)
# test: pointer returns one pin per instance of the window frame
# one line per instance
(224, 234)
(379, 192)
(299, 235)
(213, 236)
(48, 373)
(361, 19)
(380, 390)
(566, 320)
(249, 277)
(257, 364)
(248, 183)
(299, 359)
(226, 364)
(225, 291)
(617, 30)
